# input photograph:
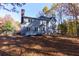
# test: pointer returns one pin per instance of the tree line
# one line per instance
(67, 17)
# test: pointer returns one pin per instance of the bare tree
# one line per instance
(72, 9)
(13, 6)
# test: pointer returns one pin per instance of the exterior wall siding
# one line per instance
(36, 27)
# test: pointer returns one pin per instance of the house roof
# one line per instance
(39, 18)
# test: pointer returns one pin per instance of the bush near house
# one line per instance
(69, 28)
(63, 28)
(8, 27)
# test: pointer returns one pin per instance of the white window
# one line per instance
(28, 29)
(29, 20)
(36, 29)
(26, 20)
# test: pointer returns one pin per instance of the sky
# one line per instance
(31, 9)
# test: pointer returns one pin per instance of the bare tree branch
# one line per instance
(13, 8)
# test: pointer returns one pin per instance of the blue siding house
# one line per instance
(37, 26)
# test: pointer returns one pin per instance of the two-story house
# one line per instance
(37, 26)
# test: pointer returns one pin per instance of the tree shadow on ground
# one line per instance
(2, 53)
(49, 46)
